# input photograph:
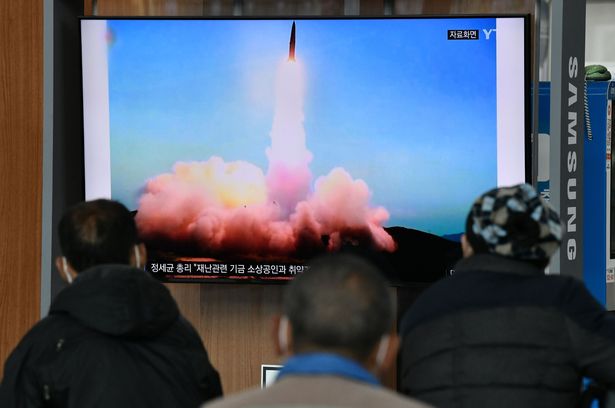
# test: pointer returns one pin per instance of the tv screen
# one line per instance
(247, 146)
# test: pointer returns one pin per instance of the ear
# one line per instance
(466, 248)
(65, 268)
(282, 335)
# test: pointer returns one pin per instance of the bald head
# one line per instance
(340, 304)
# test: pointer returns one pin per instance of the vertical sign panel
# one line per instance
(567, 92)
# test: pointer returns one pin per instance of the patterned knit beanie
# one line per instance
(514, 222)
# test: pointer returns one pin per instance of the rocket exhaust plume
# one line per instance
(216, 207)
(291, 46)
(288, 176)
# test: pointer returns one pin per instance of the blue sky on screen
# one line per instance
(392, 101)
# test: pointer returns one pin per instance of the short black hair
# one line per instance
(341, 303)
(97, 232)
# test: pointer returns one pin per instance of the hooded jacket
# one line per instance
(501, 333)
(113, 338)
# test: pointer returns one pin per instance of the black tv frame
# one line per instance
(425, 278)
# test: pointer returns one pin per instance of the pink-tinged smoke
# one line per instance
(215, 208)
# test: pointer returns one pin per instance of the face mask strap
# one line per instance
(383, 347)
(283, 334)
(137, 257)
(69, 277)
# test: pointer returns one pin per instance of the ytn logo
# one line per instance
(488, 32)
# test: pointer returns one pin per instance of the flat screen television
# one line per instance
(247, 146)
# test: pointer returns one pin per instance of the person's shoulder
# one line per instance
(44, 329)
(303, 392)
(387, 398)
(332, 390)
(243, 399)
(381, 396)
(38, 343)
(570, 292)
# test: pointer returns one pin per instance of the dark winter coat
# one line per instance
(114, 338)
(500, 333)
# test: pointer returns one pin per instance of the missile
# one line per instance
(291, 47)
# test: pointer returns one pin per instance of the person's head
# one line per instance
(97, 232)
(340, 305)
(514, 222)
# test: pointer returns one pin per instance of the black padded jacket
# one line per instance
(114, 338)
(500, 333)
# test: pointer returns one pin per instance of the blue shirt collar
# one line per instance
(326, 364)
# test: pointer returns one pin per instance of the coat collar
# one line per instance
(497, 263)
(315, 364)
